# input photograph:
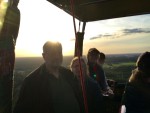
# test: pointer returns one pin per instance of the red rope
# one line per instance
(78, 53)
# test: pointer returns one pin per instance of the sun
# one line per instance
(68, 46)
(40, 25)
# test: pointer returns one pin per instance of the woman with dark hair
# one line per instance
(96, 60)
(95, 70)
(136, 98)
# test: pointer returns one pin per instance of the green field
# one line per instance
(119, 72)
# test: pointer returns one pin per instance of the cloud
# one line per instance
(108, 35)
(136, 30)
(122, 32)
(104, 36)
(101, 36)
(94, 38)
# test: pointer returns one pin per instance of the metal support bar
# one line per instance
(80, 38)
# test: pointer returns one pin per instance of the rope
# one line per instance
(78, 53)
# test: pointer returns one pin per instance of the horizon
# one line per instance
(82, 55)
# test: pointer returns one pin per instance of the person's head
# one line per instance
(75, 66)
(102, 58)
(93, 55)
(143, 62)
(52, 54)
(142, 72)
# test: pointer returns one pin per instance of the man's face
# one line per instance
(53, 57)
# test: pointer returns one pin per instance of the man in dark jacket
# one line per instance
(51, 88)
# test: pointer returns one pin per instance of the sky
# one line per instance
(41, 21)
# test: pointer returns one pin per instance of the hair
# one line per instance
(143, 68)
(143, 62)
(77, 58)
(139, 82)
(136, 76)
(92, 52)
(49, 45)
(82, 60)
(102, 56)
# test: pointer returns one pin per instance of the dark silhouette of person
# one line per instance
(93, 93)
(102, 78)
(136, 98)
(95, 69)
(50, 88)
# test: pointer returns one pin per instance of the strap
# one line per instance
(78, 52)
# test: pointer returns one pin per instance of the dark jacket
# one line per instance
(35, 94)
(94, 96)
(97, 73)
(137, 96)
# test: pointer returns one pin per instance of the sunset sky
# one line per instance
(42, 21)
